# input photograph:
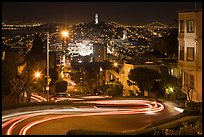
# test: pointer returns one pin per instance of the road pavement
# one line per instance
(100, 115)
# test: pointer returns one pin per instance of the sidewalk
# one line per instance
(177, 103)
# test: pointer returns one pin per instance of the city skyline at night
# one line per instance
(127, 13)
(102, 68)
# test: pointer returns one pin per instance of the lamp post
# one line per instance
(47, 87)
(64, 34)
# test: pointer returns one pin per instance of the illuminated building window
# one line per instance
(171, 72)
(190, 26)
(190, 53)
(3, 56)
(181, 53)
(111, 77)
(181, 26)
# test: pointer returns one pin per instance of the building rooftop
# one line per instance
(149, 62)
(193, 10)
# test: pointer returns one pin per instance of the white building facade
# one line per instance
(190, 53)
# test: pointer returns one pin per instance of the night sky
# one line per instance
(127, 13)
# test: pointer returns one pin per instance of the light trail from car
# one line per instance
(38, 98)
(109, 107)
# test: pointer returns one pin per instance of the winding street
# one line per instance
(115, 115)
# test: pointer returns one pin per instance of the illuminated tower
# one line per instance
(124, 35)
(96, 18)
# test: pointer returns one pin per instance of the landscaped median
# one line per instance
(168, 126)
(173, 123)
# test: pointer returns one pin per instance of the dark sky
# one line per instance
(127, 13)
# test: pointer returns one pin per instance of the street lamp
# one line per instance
(115, 64)
(64, 34)
(37, 74)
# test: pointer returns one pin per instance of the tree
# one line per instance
(53, 76)
(171, 43)
(36, 54)
(167, 44)
(170, 81)
(14, 84)
(143, 78)
(156, 88)
(33, 61)
(101, 89)
(17, 86)
(115, 89)
(37, 47)
(9, 70)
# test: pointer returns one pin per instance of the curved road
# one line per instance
(102, 115)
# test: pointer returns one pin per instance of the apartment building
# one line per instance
(190, 53)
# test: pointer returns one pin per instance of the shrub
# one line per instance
(131, 92)
(187, 129)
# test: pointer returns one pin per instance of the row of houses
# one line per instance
(121, 71)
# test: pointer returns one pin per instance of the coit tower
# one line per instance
(96, 18)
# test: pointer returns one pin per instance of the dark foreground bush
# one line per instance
(187, 129)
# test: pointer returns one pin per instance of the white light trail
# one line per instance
(102, 107)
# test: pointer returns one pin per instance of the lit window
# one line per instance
(172, 71)
(190, 26)
(181, 53)
(111, 76)
(190, 53)
(181, 27)
(3, 55)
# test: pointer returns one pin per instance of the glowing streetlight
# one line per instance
(115, 64)
(37, 74)
(171, 89)
(64, 34)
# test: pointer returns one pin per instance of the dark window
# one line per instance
(181, 53)
(181, 27)
(185, 79)
(189, 80)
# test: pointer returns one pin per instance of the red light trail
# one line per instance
(109, 107)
